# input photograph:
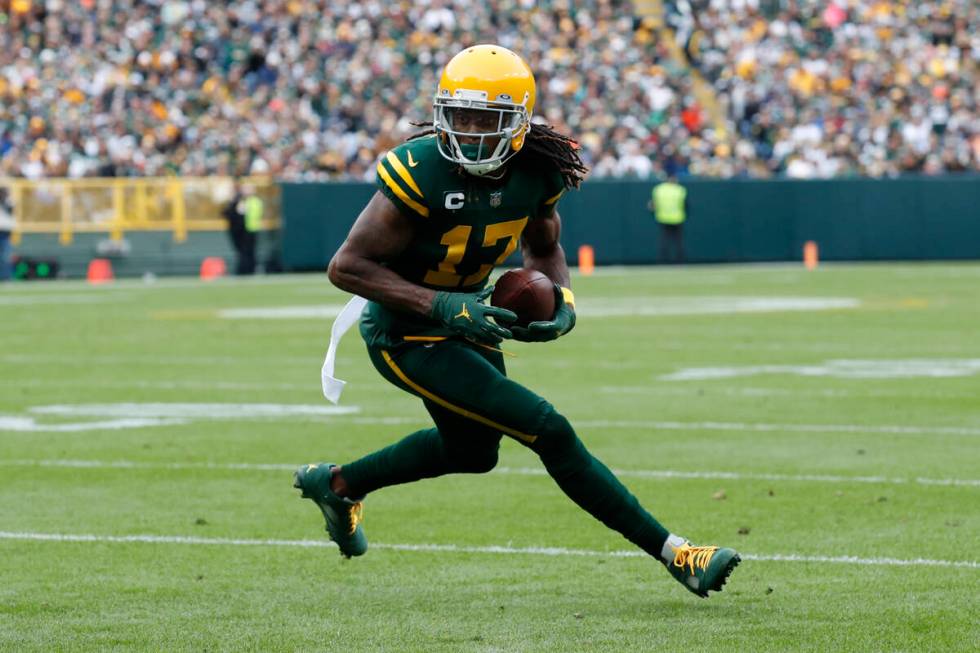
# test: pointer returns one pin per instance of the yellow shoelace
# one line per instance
(355, 516)
(693, 556)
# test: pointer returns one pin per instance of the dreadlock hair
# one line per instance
(560, 150)
(544, 141)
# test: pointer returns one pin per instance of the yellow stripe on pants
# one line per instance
(450, 406)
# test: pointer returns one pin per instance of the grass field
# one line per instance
(824, 423)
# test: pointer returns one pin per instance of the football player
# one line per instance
(452, 203)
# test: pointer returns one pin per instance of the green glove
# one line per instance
(467, 315)
(561, 323)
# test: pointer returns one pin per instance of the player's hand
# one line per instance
(467, 315)
(561, 323)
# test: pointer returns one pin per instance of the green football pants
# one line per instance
(473, 404)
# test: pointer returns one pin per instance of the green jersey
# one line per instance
(465, 225)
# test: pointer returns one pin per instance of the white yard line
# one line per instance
(155, 385)
(767, 427)
(690, 390)
(599, 307)
(229, 411)
(736, 476)
(89, 360)
(180, 410)
(453, 548)
(514, 471)
(30, 425)
(915, 368)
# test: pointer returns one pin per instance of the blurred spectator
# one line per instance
(823, 88)
(234, 214)
(6, 226)
(305, 89)
(316, 89)
(244, 213)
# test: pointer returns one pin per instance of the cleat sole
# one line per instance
(723, 577)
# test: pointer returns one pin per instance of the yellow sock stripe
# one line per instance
(403, 173)
(453, 407)
(555, 198)
(402, 195)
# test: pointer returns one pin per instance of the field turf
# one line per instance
(824, 423)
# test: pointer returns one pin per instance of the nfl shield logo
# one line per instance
(495, 198)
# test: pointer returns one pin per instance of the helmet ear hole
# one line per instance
(517, 142)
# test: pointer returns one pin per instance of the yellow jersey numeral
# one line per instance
(456, 239)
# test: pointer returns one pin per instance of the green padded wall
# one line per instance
(914, 218)
(316, 219)
(730, 220)
(150, 251)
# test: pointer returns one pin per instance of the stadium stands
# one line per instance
(314, 90)
(842, 87)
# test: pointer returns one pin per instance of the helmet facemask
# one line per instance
(492, 148)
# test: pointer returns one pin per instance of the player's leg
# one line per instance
(457, 444)
(470, 383)
(454, 446)
(457, 377)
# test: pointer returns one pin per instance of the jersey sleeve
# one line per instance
(552, 191)
(396, 181)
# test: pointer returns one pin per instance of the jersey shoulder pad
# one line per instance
(550, 184)
(403, 173)
(554, 188)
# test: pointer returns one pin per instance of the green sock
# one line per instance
(591, 485)
(414, 457)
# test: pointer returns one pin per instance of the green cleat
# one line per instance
(343, 516)
(701, 569)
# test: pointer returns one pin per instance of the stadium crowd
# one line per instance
(842, 87)
(316, 90)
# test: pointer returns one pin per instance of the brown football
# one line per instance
(529, 293)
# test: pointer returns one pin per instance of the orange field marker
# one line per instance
(810, 255)
(586, 260)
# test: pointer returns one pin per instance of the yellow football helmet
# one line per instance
(485, 78)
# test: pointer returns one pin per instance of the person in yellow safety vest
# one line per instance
(252, 209)
(669, 205)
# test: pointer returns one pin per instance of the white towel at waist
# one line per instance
(351, 313)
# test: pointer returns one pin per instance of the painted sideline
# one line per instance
(453, 548)
(515, 471)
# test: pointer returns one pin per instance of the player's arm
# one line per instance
(381, 233)
(543, 252)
